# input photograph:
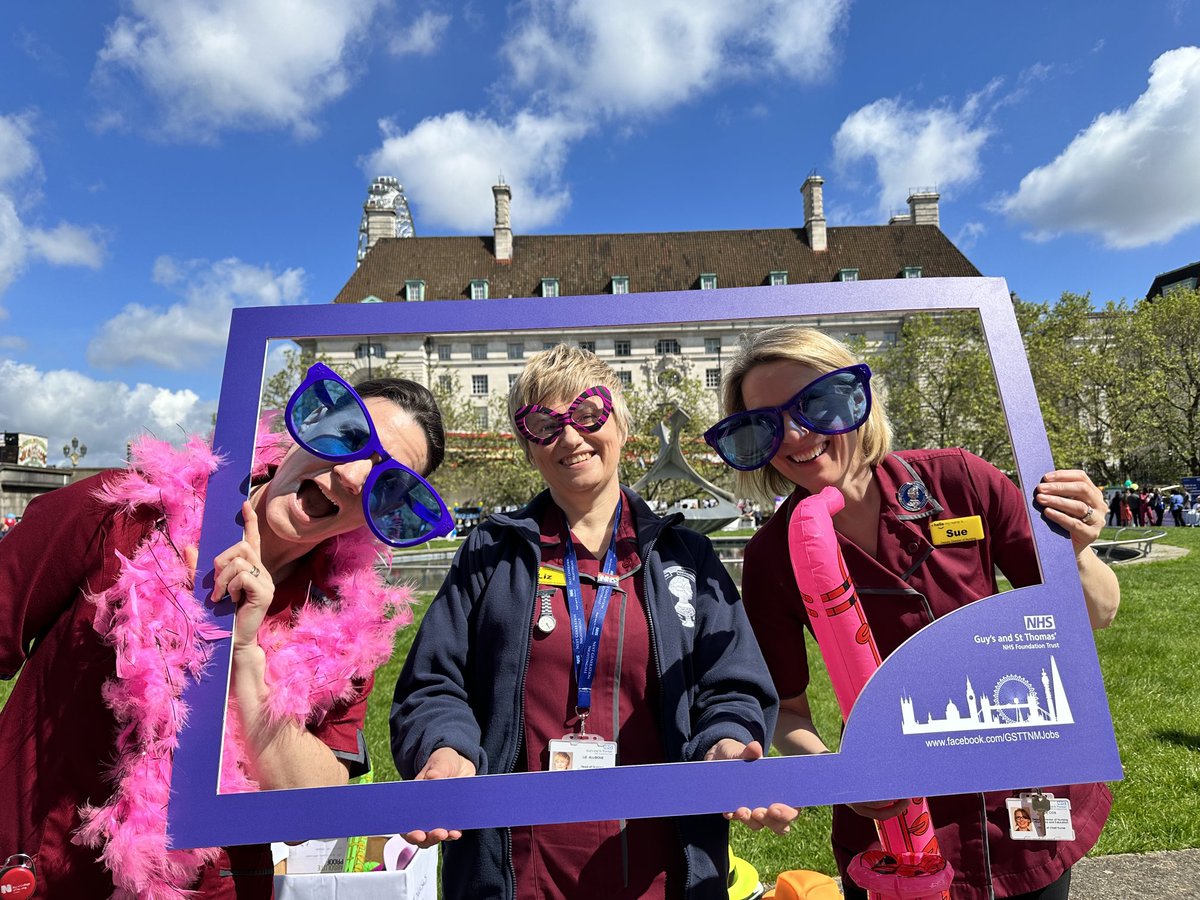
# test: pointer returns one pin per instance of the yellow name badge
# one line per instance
(956, 531)
(552, 576)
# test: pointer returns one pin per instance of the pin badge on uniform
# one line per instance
(912, 496)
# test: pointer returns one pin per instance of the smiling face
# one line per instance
(578, 466)
(812, 461)
(1022, 820)
(310, 499)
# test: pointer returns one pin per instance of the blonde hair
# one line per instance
(562, 373)
(817, 351)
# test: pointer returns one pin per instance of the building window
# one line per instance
(512, 379)
(445, 383)
(549, 345)
(855, 337)
(374, 351)
(479, 384)
(712, 345)
(847, 275)
(1184, 284)
(481, 418)
(712, 378)
(370, 299)
(479, 351)
(912, 271)
(622, 348)
(414, 289)
(664, 346)
(589, 346)
(708, 281)
(620, 284)
(516, 349)
(889, 338)
(549, 287)
(778, 278)
(443, 352)
(479, 289)
(626, 378)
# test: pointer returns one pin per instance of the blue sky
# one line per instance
(162, 161)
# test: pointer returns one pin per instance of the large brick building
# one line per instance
(504, 265)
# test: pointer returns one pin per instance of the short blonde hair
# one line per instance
(562, 373)
(821, 353)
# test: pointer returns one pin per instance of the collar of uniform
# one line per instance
(553, 528)
(890, 474)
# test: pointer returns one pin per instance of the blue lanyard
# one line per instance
(585, 639)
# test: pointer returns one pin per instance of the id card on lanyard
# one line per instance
(583, 750)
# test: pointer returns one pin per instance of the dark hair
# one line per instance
(418, 402)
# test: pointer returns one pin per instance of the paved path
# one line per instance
(1163, 875)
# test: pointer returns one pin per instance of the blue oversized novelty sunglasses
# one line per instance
(837, 402)
(328, 419)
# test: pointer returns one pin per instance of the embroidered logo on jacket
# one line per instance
(681, 583)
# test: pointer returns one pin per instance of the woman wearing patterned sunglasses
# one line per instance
(96, 586)
(802, 416)
(668, 671)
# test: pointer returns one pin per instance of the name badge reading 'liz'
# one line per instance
(956, 531)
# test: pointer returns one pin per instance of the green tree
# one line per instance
(940, 388)
(1165, 341)
(1084, 380)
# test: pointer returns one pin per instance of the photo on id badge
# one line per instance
(1039, 817)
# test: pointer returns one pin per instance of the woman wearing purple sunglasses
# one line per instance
(668, 668)
(802, 416)
(96, 605)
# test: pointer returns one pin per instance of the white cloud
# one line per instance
(914, 147)
(639, 56)
(62, 404)
(68, 245)
(423, 37)
(189, 332)
(1131, 177)
(18, 158)
(456, 158)
(246, 64)
(968, 236)
(21, 177)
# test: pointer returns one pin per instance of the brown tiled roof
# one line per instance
(656, 261)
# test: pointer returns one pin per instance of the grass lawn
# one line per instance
(1149, 673)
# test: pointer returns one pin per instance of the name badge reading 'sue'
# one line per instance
(956, 531)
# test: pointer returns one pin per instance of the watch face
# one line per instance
(546, 624)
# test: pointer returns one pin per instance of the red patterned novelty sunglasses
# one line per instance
(587, 412)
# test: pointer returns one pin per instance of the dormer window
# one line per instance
(414, 290)
(620, 284)
(912, 271)
(708, 281)
(479, 289)
(778, 278)
(549, 287)
(847, 275)
(370, 299)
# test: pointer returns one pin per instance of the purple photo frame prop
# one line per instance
(881, 755)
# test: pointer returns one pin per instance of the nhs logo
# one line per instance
(1039, 623)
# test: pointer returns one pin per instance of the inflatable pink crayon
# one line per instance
(911, 866)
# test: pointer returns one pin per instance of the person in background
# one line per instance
(803, 415)
(490, 685)
(97, 614)
(1177, 504)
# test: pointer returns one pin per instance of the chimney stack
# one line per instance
(502, 232)
(923, 206)
(814, 212)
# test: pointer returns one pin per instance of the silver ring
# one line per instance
(1088, 515)
(254, 572)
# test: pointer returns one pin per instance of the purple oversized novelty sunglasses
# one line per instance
(837, 402)
(327, 418)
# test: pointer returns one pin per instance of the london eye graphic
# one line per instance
(1014, 703)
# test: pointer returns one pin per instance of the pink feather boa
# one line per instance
(162, 638)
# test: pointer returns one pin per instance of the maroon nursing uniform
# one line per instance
(580, 860)
(56, 733)
(906, 585)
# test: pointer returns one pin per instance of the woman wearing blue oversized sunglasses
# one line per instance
(801, 417)
(315, 617)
